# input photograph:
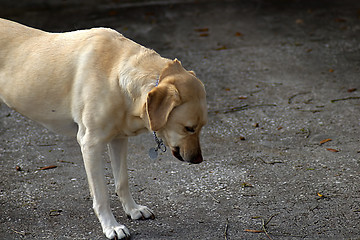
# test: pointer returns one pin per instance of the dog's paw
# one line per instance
(117, 232)
(140, 213)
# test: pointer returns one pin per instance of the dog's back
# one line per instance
(44, 75)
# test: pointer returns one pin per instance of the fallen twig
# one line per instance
(264, 224)
(241, 108)
(212, 196)
(21, 233)
(295, 95)
(249, 195)
(63, 161)
(267, 222)
(48, 167)
(343, 99)
(218, 201)
(272, 163)
(264, 229)
(233, 109)
(254, 231)
(309, 110)
(226, 228)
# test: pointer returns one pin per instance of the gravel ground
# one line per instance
(281, 77)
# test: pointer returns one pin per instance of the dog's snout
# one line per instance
(176, 153)
(198, 159)
(192, 158)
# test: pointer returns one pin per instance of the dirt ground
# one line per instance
(281, 77)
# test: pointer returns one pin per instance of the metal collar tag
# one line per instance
(153, 152)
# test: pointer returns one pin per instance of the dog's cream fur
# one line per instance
(100, 86)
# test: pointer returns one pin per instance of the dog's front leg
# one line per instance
(94, 166)
(118, 155)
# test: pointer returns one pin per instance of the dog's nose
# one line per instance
(196, 160)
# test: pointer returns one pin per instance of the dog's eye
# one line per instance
(190, 129)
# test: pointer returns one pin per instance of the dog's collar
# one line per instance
(153, 152)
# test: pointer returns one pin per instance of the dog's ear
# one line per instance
(172, 68)
(160, 102)
(193, 73)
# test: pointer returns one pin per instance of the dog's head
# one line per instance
(176, 110)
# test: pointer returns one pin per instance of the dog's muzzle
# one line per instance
(192, 158)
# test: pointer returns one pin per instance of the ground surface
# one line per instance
(274, 73)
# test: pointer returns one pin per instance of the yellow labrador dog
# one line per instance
(102, 88)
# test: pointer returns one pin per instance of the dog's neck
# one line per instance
(139, 78)
(144, 116)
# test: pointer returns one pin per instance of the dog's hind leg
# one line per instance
(94, 166)
(118, 155)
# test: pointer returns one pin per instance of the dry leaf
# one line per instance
(55, 212)
(331, 70)
(320, 195)
(48, 167)
(113, 13)
(204, 35)
(221, 48)
(150, 14)
(332, 150)
(325, 141)
(253, 231)
(340, 20)
(245, 184)
(239, 34)
(299, 21)
(201, 29)
(242, 97)
(351, 89)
